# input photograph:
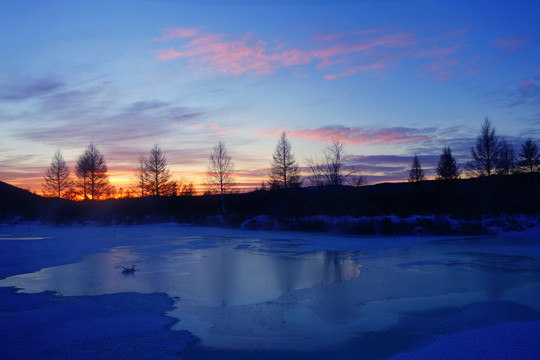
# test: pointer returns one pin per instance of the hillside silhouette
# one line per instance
(460, 199)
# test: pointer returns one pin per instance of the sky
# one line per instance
(390, 79)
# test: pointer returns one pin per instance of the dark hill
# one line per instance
(465, 199)
(15, 201)
(19, 203)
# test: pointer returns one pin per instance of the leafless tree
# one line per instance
(416, 174)
(486, 152)
(92, 176)
(220, 172)
(188, 189)
(158, 181)
(174, 187)
(81, 173)
(57, 180)
(111, 192)
(529, 158)
(284, 167)
(140, 177)
(360, 180)
(507, 160)
(334, 168)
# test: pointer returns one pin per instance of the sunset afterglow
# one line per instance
(388, 78)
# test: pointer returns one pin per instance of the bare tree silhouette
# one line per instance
(447, 169)
(140, 177)
(57, 181)
(529, 158)
(188, 189)
(91, 172)
(416, 174)
(334, 168)
(284, 167)
(486, 152)
(174, 187)
(507, 159)
(220, 177)
(158, 176)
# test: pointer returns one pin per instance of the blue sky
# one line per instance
(388, 78)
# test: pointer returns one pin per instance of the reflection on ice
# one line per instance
(257, 294)
(211, 275)
(27, 238)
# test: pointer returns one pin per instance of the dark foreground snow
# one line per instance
(117, 326)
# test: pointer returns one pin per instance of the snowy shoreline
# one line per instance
(387, 225)
(395, 225)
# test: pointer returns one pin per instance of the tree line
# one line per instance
(491, 155)
(333, 169)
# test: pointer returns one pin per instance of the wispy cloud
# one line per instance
(27, 89)
(177, 33)
(70, 115)
(382, 64)
(357, 135)
(441, 55)
(335, 54)
(377, 168)
(512, 43)
(216, 130)
(65, 114)
(235, 56)
(141, 120)
(383, 168)
(526, 93)
(335, 36)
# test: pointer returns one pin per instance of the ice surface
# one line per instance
(279, 291)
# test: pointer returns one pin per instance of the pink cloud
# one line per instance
(328, 55)
(397, 135)
(205, 39)
(177, 33)
(526, 84)
(527, 92)
(441, 69)
(511, 43)
(273, 133)
(235, 56)
(442, 64)
(167, 54)
(354, 69)
(438, 52)
(346, 53)
(440, 56)
(398, 40)
(334, 36)
(219, 131)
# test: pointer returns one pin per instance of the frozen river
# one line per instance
(314, 296)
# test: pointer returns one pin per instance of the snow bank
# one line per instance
(394, 225)
(118, 326)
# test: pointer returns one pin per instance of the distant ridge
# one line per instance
(463, 199)
(16, 201)
(11, 190)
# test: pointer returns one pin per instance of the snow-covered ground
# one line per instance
(241, 292)
(394, 225)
